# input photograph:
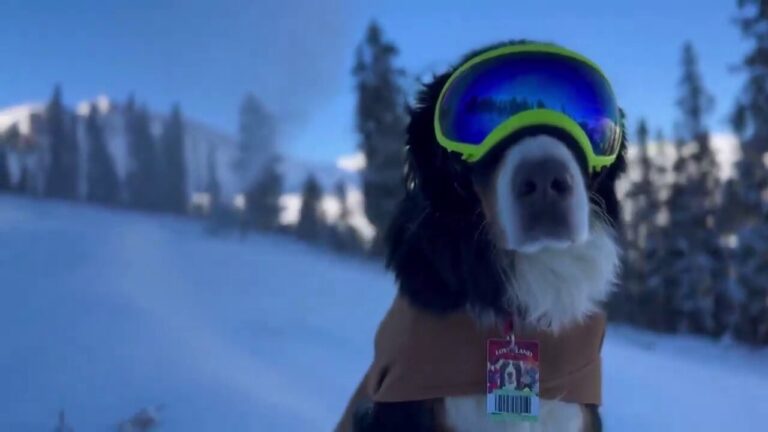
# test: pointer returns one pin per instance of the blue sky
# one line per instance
(297, 54)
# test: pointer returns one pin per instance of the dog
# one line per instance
(509, 382)
(478, 237)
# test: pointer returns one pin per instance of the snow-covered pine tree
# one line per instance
(173, 175)
(748, 194)
(744, 202)
(381, 123)
(657, 302)
(753, 23)
(311, 221)
(751, 284)
(102, 183)
(142, 183)
(693, 257)
(262, 198)
(62, 176)
(625, 303)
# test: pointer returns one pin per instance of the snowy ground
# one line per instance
(103, 313)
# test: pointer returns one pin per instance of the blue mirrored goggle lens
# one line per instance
(488, 93)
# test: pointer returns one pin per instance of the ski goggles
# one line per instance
(508, 89)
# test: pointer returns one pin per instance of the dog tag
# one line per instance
(513, 379)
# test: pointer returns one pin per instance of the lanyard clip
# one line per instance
(509, 330)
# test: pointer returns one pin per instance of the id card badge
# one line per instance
(513, 379)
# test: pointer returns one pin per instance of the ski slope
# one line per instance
(103, 313)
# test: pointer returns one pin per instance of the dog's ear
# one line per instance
(436, 244)
(604, 183)
(440, 176)
(443, 261)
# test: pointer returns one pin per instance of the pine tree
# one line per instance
(744, 200)
(747, 195)
(626, 302)
(693, 261)
(24, 182)
(62, 425)
(658, 302)
(263, 198)
(173, 176)
(695, 102)
(103, 185)
(62, 178)
(5, 175)
(381, 123)
(256, 145)
(311, 220)
(751, 284)
(144, 190)
(752, 21)
(8, 141)
(343, 235)
(212, 185)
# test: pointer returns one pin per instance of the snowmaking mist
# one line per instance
(304, 54)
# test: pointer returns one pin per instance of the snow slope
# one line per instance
(103, 313)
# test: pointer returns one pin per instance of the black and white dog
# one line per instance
(526, 231)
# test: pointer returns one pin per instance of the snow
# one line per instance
(354, 162)
(105, 313)
(295, 171)
(725, 147)
(102, 102)
(20, 115)
(331, 208)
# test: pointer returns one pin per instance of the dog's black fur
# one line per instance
(438, 246)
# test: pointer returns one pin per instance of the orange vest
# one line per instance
(421, 356)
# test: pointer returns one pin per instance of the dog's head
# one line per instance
(502, 235)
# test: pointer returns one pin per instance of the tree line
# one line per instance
(697, 247)
(156, 173)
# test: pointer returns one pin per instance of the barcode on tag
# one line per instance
(513, 404)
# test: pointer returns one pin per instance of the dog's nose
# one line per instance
(539, 181)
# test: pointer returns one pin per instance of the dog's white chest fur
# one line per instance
(467, 414)
(560, 287)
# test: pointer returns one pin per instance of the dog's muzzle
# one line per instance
(542, 195)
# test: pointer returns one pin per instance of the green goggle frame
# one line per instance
(537, 116)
